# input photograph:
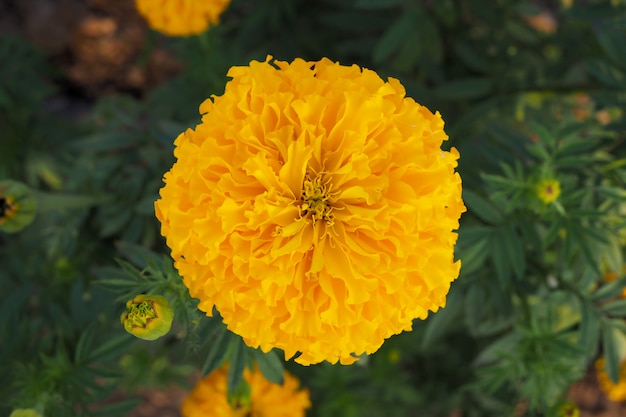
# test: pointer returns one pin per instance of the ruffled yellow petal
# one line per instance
(314, 208)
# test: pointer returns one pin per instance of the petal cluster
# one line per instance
(314, 207)
(209, 397)
(181, 17)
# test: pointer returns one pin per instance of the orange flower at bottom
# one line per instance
(615, 392)
(209, 397)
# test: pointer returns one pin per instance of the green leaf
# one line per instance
(514, 250)
(84, 344)
(112, 348)
(117, 409)
(219, 349)
(472, 257)
(611, 342)
(615, 308)
(270, 366)
(499, 256)
(465, 89)
(589, 325)
(237, 363)
(437, 324)
(610, 290)
(481, 207)
(394, 37)
(613, 41)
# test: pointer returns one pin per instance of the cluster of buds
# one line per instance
(148, 317)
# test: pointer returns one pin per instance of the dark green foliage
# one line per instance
(528, 315)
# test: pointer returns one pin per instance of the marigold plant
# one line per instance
(209, 398)
(314, 208)
(181, 17)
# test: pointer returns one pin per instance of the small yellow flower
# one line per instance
(18, 206)
(181, 17)
(148, 316)
(25, 412)
(314, 208)
(615, 391)
(548, 190)
(568, 409)
(209, 398)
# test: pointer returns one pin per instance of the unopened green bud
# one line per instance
(240, 400)
(18, 206)
(25, 412)
(568, 409)
(148, 316)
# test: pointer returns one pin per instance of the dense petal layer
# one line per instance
(314, 208)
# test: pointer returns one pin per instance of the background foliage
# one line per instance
(525, 98)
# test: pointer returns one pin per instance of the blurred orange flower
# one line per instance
(209, 398)
(181, 17)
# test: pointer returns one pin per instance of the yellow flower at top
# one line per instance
(181, 17)
(548, 190)
(314, 207)
(209, 398)
(615, 391)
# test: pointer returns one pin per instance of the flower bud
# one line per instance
(548, 190)
(25, 412)
(568, 409)
(148, 316)
(18, 206)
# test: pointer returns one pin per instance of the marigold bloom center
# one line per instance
(315, 200)
(6, 207)
(139, 315)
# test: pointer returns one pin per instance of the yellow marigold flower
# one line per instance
(615, 392)
(209, 398)
(181, 17)
(148, 316)
(18, 206)
(314, 208)
(548, 190)
(568, 409)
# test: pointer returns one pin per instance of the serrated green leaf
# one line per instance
(270, 366)
(438, 324)
(472, 257)
(218, 350)
(514, 250)
(615, 308)
(112, 348)
(237, 356)
(84, 345)
(394, 37)
(611, 344)
(481, 207)
(613, 40)
(499, 257)
(117, 409)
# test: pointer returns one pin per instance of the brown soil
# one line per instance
(100, 45)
